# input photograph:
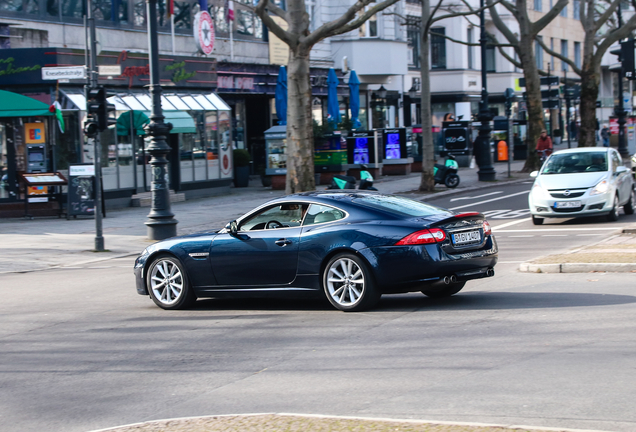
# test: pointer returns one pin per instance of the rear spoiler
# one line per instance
(459, 216)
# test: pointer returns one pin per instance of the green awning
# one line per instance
(139, 119)
(17, 105)
(182, 122)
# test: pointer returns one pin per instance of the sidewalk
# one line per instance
(29, 245)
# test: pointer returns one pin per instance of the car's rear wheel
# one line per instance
(445, 290)
(629, 205)
(537, 220)
(348, 283)
(613, 215)
(168, 284)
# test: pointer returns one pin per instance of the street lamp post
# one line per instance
(483, 156)
(161, 223)
(619, 110)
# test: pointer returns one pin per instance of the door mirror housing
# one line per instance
(621, 169)
(534, 174)
(232, 227)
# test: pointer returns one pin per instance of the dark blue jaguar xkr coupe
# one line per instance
(349, 246)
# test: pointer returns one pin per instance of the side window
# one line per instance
(320, 214)
(279, 216)
(616, 161)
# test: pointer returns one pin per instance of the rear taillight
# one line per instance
(426, 236)
(487, 229)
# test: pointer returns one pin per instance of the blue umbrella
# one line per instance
(354, 99)
(333, 108)
(281, 96)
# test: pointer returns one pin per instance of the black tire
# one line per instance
(445, 290)
(629, 205)
(167, 270)
(537, 220)
(451, 181)
(348, 283)
(613, 215)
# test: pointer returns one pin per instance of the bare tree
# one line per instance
(300, 145)
(600, 34)
(523, 46)
(430, 17)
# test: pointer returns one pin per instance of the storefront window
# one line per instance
(52, 8)
(186, 146)
(11, 5)
(139, 11)
(183, 15)
(67, 149)
(73, 8)
(32, 6)
(102, 10)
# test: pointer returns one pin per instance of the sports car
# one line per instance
(349, 246)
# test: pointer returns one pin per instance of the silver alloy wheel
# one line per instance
(345, 282)
(615, 209)
(166, 282)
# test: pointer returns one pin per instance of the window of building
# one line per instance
(470, 49)
(564, 53)
(491, 64)
(310, 7)
(564, 12)
(538, 55)
(413, 35)
(576, 9)
(577, 54)
(552, 57)
(370, 27)
(538, 6)
(438, 48)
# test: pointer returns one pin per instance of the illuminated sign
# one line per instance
(34, 133)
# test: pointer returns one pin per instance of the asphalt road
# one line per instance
(80, 350)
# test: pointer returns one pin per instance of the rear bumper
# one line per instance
(403, 269)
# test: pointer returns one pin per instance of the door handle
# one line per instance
(283, 242)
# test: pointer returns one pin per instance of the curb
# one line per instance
(381, 419)
(461, 190)
(124, 255)
(578, 268)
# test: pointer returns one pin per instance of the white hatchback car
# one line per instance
(587, 181)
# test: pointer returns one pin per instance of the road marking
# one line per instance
(587, 235)
(554, 235)
(490, 200)
(510, 262)
(559, 229)
(506, 214)
(475, 197)
(521, 236)
(506, 225)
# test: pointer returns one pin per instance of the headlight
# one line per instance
(600, 188)
(539, 192)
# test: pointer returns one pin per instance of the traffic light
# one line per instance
(626, 56)
(97, 105)
(90, 127)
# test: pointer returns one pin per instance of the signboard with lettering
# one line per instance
(278, 50)
(81, 190)
(34, 133)
(63, 73)
(361, 147)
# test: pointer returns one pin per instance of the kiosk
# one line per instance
(330, 157)
(457, 140)
(363, 149)
(395, 159)
(276, 156)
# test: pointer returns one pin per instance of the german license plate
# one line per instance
(466, 237)
(567, 204)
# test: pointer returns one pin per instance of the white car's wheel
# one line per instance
(629, 205)
(613, 215)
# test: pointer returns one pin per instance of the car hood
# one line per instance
(571, 181)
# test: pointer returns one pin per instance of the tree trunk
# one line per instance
(533, 101)
(300, 139)
(427, 182)
(589, 94)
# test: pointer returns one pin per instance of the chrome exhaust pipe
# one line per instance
(490, 272)
(447, 280)
(453, 279)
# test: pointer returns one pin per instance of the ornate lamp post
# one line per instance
(161, 223)
(619, 110)
(483, 156)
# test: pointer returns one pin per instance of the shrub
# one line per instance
(241, 158)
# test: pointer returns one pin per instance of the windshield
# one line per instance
(568, 163)
(398, 205)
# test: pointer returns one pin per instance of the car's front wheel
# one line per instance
(444, 291)
(168, 284)
(629, 205)
(348, 283)
(613, 215)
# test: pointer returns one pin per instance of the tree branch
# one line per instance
(615, 36)
(546, 19)
(503, 28)
(471, 11)
(282, 34)
(343, 24)
(561, 57)
(505, 55)
(606, 15)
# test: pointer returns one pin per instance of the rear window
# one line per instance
(398, 205)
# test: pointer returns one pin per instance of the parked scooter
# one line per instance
(447, 174)
(348, 182)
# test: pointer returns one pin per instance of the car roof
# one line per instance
(583, 150)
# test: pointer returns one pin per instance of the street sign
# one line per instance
(545, 81)
(109, 70)
(571, 92)
(551, 104)
(549, 94)
(64, 73)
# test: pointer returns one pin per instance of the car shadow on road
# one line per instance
(503, 300)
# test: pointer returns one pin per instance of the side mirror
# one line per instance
(534, 174)
(232, 227)
(621, 169)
